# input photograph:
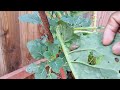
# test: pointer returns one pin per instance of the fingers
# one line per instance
(111, 28)
(116, 48)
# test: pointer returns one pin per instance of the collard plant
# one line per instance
(72, 42)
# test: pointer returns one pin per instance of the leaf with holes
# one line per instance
(105, 66)
(77, 21)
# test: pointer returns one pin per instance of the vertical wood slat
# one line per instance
(3, 67)
(10, 42)
(103, 17)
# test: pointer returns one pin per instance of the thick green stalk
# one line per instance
(95, 19)
(65, 50)
(80, 31)
(85, 28)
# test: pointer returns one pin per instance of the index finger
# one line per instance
(111, 28)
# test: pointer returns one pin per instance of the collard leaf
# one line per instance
(41, 73)
(53, 22)
(36, 48)
(56, 64)
(54, 49)
(66, 68)
(32, 68)
(105, 67)
(77, 21)
(84, 71)
(31, 18)
(47, 55)
(66, 31)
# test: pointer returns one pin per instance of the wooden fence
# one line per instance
(14, 35)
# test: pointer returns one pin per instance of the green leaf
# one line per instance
(77, 21)
(56, 64)
(62, 55)
(54, 49)
(47, 55)
(32, 68)
(53, 22)
(36, 48)
(41, 73)
(87, 72)
(31, 18)
(106, 66)
(52, 76)
(66, 68)
(66, 31)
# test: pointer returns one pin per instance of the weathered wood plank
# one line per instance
(10, 42)
(102, 17)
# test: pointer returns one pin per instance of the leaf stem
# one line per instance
(85, 28)
(81, 50)
(95, 18)
(82, 31)
(66, 53)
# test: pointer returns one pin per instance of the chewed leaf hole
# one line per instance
(119, 71)
(116, 59)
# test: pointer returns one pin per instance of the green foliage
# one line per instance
(31, 18)
(32, 68)
(42, 73)
(77, 21)
(36, 48)
(80, 61)
(105, 66)
(57, 64)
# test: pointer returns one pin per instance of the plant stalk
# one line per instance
(85, 28)
(46, 25)
(65, 50)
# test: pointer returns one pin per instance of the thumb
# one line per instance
(116, 48)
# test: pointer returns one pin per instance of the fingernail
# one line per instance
(116, 49)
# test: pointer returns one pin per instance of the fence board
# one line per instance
(10, 41)
(102, 17)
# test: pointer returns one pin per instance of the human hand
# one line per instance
(111, 29)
